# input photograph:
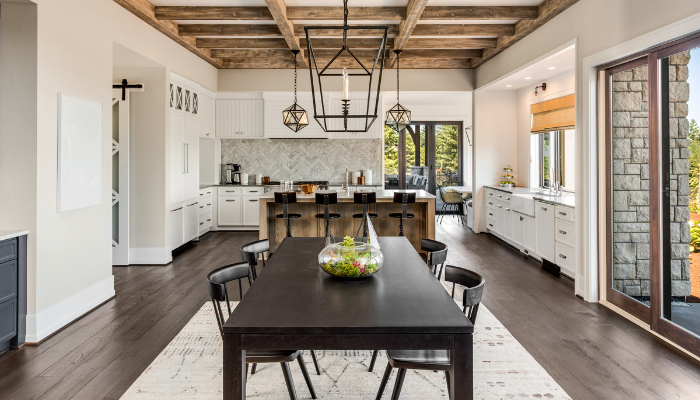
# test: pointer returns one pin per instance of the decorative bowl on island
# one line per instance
(350, 259)
(309, 188)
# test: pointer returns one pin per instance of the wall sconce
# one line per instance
(543, 87)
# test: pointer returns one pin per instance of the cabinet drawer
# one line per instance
(490, 213)
(490, 194)
(206, 192)
(8, 250)
(204, 206)
(228, 191)
(205, 220)
(502, 197)
(491, 224)
(490, 203)
(230, 210)
(8, 320)
(564, 213)
(8, 280)
(566, 259)
(254, 191)
(565, 232)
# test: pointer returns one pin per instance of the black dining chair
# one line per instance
(435, 360)
(286, 198)
(404, 198)
(217, 280)
(252, 251)
(326, 199)
(436, 254)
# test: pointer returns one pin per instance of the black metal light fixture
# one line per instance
(325, 119)
(295, 117)
(399, 117)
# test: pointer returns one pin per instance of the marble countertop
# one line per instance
(226, 185)
(342, 194)
(568, 200)
(9, 234)
(336, 183)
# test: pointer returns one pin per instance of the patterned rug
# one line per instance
(190, 367)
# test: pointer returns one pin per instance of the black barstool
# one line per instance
(365, 198)
(326, 199)
(286, 198)
(404, 198)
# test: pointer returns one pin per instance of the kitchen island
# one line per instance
(421, 226)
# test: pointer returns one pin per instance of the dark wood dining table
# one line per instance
(295, 305)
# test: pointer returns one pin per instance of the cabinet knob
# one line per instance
(490, 203)
(521, 218)
(543, 208)
(491, 225)
(201, 194)
(499, 206)
(230, 200)
(491, 214)
(507, 209)
(252, 200)
(209, 220)
(562, 256)
(177, 209)
(201, 206)
(562, 213)
(201, 223)
(208, 204)
(562, 232)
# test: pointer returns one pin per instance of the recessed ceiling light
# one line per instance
(528, 77)
(552, 68)
(509, 85)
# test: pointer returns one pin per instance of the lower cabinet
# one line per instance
(530, 235)
(518, 226)
(251, 211)
(191, 219)
(239, 207)
(177, 226)
(544, 215)
(508, 222)
(230, 210)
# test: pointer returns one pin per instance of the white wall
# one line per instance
(70, 266)
(495, 143)
(557, 86)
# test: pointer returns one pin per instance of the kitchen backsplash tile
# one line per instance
(302, 159)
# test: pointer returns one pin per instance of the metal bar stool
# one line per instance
(325, 199)
(286, 198)
(404, 198)
(365, 199)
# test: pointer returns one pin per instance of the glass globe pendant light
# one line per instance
(399, 117)
(295, 117)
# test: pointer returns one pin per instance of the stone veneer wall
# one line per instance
(630, 181)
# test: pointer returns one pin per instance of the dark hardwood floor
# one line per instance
(590, 351)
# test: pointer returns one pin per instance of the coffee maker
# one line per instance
(236, 174)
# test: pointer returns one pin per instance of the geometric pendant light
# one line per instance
(399, 117)
(295, 117)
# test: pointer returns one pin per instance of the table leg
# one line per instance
(462, 375)
(234, 368)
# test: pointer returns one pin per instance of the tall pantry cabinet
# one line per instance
(186, 107)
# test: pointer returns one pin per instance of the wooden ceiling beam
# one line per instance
(225, 43)
(345, 62)
(299, 31)
(253, 53)
(354, 43)
(464, 30)
(414, 10)
(278, 9)
(455, 13)
(548, 9)
(213, 13)
(229, 30)
(450, 43)
(144, 10)
(445, 13)
(354, 13)
(441, 53)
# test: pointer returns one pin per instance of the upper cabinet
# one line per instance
(184, 98)
(207, 115)
(240, 119)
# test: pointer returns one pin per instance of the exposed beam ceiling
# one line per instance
(461, 41)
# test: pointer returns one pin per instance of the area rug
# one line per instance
(190, 367)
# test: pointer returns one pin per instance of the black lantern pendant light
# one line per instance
(362, 117)
(295, 117)
(399, 117)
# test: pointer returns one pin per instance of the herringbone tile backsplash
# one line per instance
(304, 159)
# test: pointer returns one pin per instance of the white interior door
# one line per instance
(120, 178)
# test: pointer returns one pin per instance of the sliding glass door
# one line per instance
(652, 189)
(423, 156)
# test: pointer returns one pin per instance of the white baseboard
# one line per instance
(150, 255)
(50, 320)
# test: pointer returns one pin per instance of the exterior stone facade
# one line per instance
(630, 180)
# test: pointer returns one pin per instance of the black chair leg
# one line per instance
(447, 378)
(289, 227)
(385, 379)
(399, 382)
(252, 371)
(288, 378)
(374, 359)
(307, 378)
(313, 357)
(401, 227)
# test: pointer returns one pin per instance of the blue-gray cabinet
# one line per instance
(13, 292)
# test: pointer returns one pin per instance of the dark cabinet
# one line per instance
(13, 292)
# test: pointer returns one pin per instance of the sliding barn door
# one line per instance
(120, 178)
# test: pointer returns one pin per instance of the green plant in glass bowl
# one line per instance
(350, 259)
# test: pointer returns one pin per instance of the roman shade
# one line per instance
(553, 115)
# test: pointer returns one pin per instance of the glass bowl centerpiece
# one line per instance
(350, 259)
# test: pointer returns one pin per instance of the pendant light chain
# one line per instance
(295, 78)
(345, 12)
(398, 69)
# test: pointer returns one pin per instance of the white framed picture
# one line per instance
(79, 153)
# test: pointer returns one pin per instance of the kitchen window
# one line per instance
(556, 159)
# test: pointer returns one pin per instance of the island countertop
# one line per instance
(348, 197)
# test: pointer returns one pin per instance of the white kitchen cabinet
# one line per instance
(177, 157)
(507, 222)
(566, 259)
(251, 210)
(230, 210)
(191, 176)
(207, 117)
(530, 238)
(191, 221)
(240, 119)
(518, 228)
(177, 224)
(500, 217)
(544, 215)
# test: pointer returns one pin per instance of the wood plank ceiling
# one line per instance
(434, 37)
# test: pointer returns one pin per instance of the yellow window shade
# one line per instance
(552, 115)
